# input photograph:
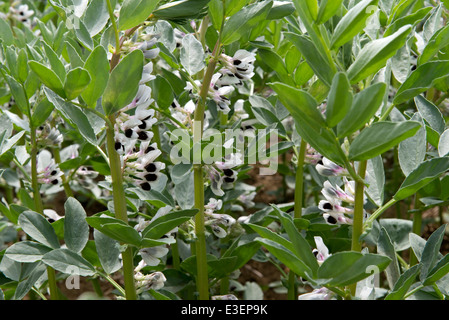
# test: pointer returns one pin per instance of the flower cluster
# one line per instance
(133, 140)
(222, 175)
(214, 220)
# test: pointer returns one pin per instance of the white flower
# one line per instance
(152, 255)
(331, 192)
(317, 294)
(327, 168)
(225, 297)
(22, 13)
(321, 252)
(155, 281)
(47, 170)
(334, 218)
(219, 231)
(51, 215)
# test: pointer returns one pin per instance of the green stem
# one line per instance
(120, 209)
(378, 212)
(115, 284)
(299, 184)
(51, 274)
(175, 255)
(299, 194)
(202, 276)
(116, 56)
(357, 226)
(387, 113)
(416, 227)
(413, 291)
(201, 259)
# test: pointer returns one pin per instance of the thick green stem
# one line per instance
(201, 259)
(299, 195)
(175, 255)
(202, 276)
(299, 183)
(357, 226)
(51, 274)
(416, 228)
(120, 209)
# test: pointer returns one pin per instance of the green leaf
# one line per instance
(74, 114)
(48, 77)
(376, 173)
(55, 62)
(431, 113)
(18, 93)
(123, 83)
(353, 22)
(431, 252)
(192, 55)
(272, 236)
(310, 123)
(38, 228)
(328, 8)
(116, 229)
(276, 63)
(315, 58)
(280, 10)
(438, 41)
(216, 12)
(345, 268)
(443, 145)
(97, 65)
(375, 54)
(412, 151)
(108, 251)
(404, 283)
(77, 81)
(286, 257)
(301, 247)
(421, 176)
(381, 137)
(29, 281)
(385, 247)
(421, 80)
(162, 92)
(6, 34)
(76, 230)
(439, 271)
(182, 9)
(96, 16)
(339, 101)
(67, 261)
(42, 112)
(244, 20)
(134, 12)
(26, 251)
(166, 223)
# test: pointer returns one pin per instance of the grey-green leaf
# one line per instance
(421, 176)
(76, 229)
(339, 101)
(381, 137)
(26, 251)
(192, 55)
(352, 23)
(38, 228)
(97, 65)
(375, 54)
(67, 261)
(134, 12)
(123, 82)
(108, 251)
(364, 106)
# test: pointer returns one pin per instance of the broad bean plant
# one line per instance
(134, 135)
